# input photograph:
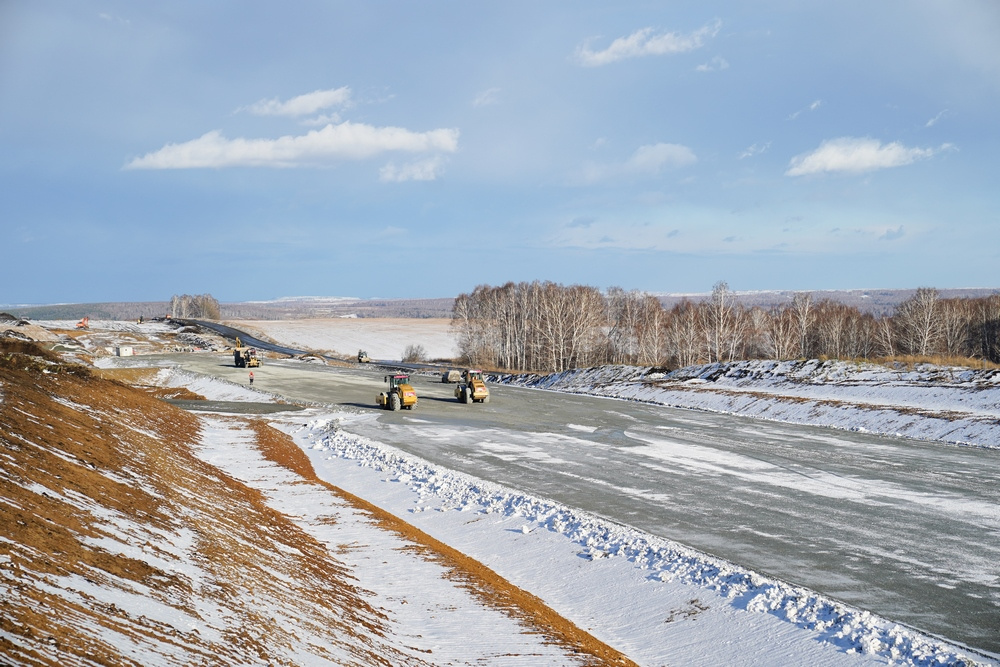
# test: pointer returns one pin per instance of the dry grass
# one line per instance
(911, 361)
(99, 483)
(86, 460)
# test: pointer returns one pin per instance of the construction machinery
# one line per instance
(83, 324)
(451, 376)
(363, 357)
(245, 357)
(472, 388)
(399, 395)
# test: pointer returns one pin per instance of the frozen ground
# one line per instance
(381, 338)
(954, 405)
(656, 601)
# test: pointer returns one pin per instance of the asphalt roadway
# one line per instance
(906, 529)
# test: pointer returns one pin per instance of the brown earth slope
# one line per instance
(103, 503)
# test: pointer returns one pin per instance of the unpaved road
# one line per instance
(907, 529)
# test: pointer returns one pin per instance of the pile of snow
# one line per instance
(954, 405)
(656, 600)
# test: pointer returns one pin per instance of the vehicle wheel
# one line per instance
(486, 400)
(394, 401)
(467, 395)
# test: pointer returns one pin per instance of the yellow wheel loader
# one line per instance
(399, 395)
(472, 388)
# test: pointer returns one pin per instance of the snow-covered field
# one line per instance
(656, 601)
(954, 405)
(381, 338)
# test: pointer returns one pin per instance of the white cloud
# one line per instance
(486, 98)
(714, 65)
(644, 42)
(303, 105)
(755, 149)
(647, 160)
(812, 107)
(933, 121)
(856, 155)
(346, 141)
(650, 159)
(422, 170)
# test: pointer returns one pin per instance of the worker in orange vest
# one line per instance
(251, 378)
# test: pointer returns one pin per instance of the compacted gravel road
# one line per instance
(909, 530)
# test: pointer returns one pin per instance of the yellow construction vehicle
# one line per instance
(363, 357)
(245, 357)
(472, 388)
(399, 395)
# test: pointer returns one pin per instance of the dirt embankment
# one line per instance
(103, 501)
(103, 507)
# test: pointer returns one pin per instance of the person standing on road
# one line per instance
(251, 378)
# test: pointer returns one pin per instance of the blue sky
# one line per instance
(257, 150)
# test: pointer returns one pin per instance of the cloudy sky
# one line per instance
(256, 150)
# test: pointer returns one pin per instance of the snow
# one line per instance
(381, 338)
(657, 601)
(953, 405)
(432, 617)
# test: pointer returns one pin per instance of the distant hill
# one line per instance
(876, 301)
(280, 309)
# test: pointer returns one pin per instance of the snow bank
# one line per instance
(954, 405)
(822, 624)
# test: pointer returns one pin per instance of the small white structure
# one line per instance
(122, 351)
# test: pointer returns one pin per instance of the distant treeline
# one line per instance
(544, 326)
(262, 310)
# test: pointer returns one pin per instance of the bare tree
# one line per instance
(781, 335)
(186, 306)
(917, 322)
(684, 333)
(414, 353)
(719, 323)
(802, 306)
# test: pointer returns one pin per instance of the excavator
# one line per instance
(83, 324)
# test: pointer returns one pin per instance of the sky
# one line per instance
(254, 150)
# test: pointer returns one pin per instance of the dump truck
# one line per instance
(451, 376)
(399, 395)
(472, 388)
(363, 357)
(245, 357)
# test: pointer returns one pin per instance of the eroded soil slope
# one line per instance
(120, 546)
(102, 501)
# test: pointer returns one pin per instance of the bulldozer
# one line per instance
(245, 357)
(472, 388)
(363, 357)
(399, 395)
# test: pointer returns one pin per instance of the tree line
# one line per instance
(202, 306)
(548, 327)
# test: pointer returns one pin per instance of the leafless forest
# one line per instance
(543, 326)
